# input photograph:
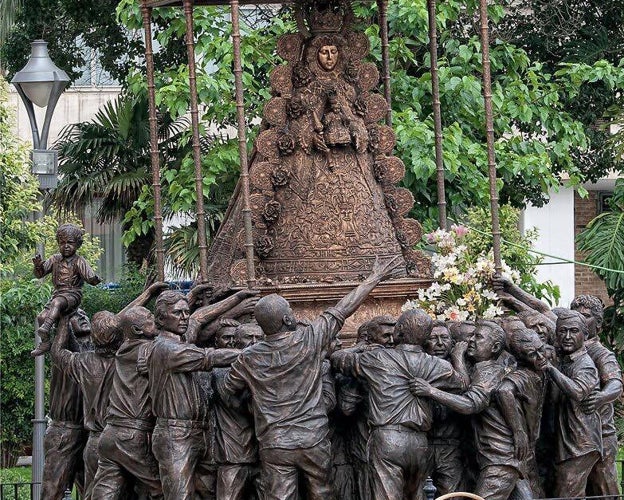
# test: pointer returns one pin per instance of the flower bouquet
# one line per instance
(462, 289)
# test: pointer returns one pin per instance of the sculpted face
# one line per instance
(439, 342)
(67, 245)
(382, 334)
(328, 57)
(226, 337)
(249, 335)
(482, 345)
(591, 320)
(80, 324)
(537, 324)
(570, 336)
(176, 319)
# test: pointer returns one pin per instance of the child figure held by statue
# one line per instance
(69, 273)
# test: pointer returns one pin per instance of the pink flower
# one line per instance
(460, 231)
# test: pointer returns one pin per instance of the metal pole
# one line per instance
(199, 186)
(154, 154)
(385, 56)
(489, 125)
(242, 145)
(437, 114)
(39, 422)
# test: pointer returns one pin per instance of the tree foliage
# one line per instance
(538, 142)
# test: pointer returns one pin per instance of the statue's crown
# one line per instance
(324, 16)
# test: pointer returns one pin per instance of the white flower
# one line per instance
(489, 294)
(492, 312)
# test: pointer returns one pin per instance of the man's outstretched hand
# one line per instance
(384, 269)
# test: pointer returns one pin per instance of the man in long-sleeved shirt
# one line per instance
(123, 447)
(284, 375)
(496, 455)
(65, 437)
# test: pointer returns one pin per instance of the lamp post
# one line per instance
(40, 83)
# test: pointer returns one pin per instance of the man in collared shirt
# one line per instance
(65, 437)
(496, 456)
(603, 479)
(183, 438)
(284, 375)
(236, 444)
(398, 450)
(579, 440)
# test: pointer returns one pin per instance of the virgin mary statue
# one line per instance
(323, 200)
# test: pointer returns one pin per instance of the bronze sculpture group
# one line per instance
(272, 407)
(230, 396)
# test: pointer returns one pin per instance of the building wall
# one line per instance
(587, 281)
(555, 223)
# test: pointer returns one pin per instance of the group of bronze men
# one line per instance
(235, 398)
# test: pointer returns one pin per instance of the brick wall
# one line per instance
(586, 281)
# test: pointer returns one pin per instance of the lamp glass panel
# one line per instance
(38, 92)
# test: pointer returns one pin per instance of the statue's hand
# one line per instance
(157, 287)
(590, 403)
(459, 349)
(500, 284)
(37, 260)
(521, 441)
(247, 293)
(319, 143)
(385, 269)
(420, 387)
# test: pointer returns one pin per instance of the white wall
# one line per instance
(77, 104)
(555, 222)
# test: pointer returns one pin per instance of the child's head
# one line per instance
(69, 239)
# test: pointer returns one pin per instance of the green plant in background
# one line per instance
(131, 284)
(515, 248)
(602, 241)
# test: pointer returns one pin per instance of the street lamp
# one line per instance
(40, 82)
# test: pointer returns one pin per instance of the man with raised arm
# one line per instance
(603, 479)
(284, 376)
(499, 466)
(182, 435)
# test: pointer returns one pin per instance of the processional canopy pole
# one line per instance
(242, 144)
(382, 5)
(437, 113)
(154, 154)
(489, 124)
(199, 181)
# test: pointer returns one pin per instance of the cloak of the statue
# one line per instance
(322, 176)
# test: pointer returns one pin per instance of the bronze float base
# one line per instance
(308, 300)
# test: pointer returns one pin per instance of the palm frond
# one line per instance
(603, 240)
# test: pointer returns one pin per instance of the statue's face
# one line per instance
(592, 325)
(67, 245)
(226, 337)
(538, 325)
(177, 318)
(382, 334)
(328, 57)
(439, 342)
(249, 335)
(570, 335)
(80, 324)
(533, 353)
(482, 345)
